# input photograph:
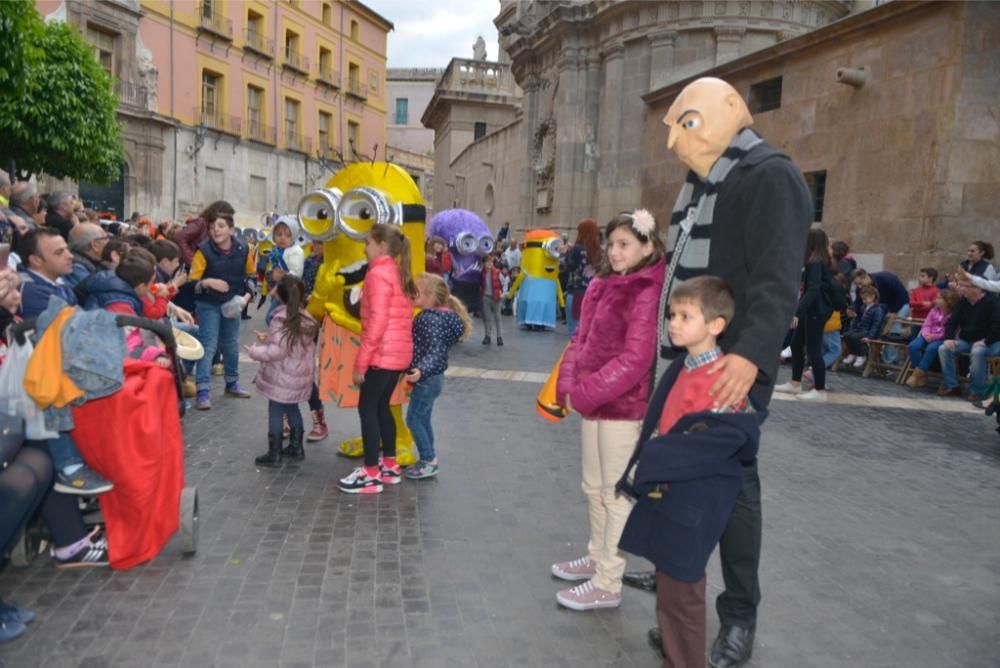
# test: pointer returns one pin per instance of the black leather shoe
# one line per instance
(732, 648)
(486, 340)
(655, 638)
(645, 580)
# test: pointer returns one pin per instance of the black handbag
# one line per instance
(11, 439)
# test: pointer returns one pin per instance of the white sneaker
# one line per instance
(812, 395)
(788, 388)
(849, 360)
(860, 362)
(786, 354)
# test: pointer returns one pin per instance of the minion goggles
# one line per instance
(326, 213)
(550, 246)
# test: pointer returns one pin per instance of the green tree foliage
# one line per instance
(63, 121)
(20, 34)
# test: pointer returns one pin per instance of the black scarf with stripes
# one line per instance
(689, 237)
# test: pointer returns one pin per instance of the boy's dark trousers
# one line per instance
(855, 346)
(680, 612)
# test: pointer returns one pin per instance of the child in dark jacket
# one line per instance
(866, 326)
(442, 323)
(688, 477)
(605, 376)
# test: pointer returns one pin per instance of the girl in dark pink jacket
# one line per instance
(605, 376)
(287, 356)
(385, 352)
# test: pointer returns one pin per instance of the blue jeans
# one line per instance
(979, 383)
(64, 451)
(276, 410)
(831, 348)
(418, 415)
(922, 353)
(214, 333)
(272, 306)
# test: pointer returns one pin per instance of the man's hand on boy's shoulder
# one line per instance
(736, 376)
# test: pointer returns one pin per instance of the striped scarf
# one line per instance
(689, 237)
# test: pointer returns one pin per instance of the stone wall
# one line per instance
(912, 158)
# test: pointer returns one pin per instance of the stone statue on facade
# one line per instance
(479, 49)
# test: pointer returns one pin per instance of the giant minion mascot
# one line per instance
(340, 215)
(538, 281)
(469, 241)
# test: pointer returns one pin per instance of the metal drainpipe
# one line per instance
(277, 129)
(173, 195)
(340, 103)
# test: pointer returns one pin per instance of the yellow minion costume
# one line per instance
(538, 281)
(340, 215)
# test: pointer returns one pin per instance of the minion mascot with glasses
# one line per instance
(340, 216)
(469, 241)
(538, 281)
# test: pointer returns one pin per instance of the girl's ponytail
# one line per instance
(458, 307)
(434, 285)
(399, 249)
(298, 325)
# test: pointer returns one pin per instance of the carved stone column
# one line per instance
(727, 43)
(661, 57)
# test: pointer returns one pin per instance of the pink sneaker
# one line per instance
(578, 569)
(588, 597)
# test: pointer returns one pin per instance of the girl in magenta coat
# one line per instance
(287, 356)
(605, 376)
(385, 352)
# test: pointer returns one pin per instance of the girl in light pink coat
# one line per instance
(385, 352)
(287, 353)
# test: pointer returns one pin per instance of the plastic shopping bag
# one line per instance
(14, 400)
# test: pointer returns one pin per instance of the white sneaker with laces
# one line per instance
(786, 354)
(849, 360)
(860, 362)
(788, 388)
(812, 395)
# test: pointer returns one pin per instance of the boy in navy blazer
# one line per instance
(687, 477)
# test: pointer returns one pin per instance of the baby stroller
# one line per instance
(133, 438)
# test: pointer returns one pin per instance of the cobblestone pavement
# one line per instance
(881, 538)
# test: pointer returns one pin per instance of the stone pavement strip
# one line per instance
(881, 538)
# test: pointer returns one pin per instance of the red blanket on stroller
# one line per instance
(133, 438)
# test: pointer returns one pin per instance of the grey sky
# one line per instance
(429, 33)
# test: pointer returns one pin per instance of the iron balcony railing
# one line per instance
(295, 141)
(296, 61)
(259, 132)
(357, 89)
(211, 21)
(329, 76)
(218, 121)
(259, 44)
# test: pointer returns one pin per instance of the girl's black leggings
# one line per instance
(808, 338)
(378, 431)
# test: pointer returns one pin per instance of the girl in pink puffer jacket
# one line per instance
(385, 352)
(287, 353)
(605, 376)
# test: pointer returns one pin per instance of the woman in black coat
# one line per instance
(813, 311)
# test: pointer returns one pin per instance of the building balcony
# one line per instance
(221, 122)
(475, 76)
(328, 153)
(216, 25)
(258, 132)
(297, 62)
(258, 44)
(357, 90)
(298, 142)
(132, 95)
(329, 77)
